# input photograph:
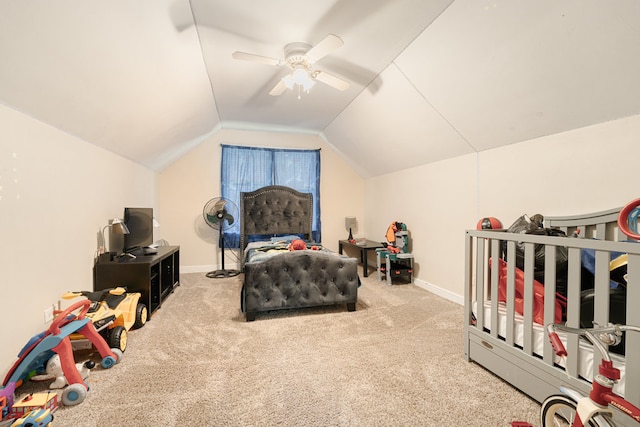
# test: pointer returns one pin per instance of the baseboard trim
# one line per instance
(205, 268)
(196, 268)
(439, 291)
(446, 294)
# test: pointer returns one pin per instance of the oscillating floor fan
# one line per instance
(220, 214)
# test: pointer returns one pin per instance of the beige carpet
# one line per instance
(396, 361)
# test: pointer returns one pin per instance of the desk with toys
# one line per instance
(364, 246)
(398, 262)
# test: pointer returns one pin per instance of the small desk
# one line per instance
(369, 245)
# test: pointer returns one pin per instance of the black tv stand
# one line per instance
(140, 251)
(154, 276)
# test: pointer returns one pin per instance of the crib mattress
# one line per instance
(585, 356)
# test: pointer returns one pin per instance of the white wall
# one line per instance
(56, 193)
(194, 179)
(435, 202)
(581, 171)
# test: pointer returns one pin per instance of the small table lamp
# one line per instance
(350, 222)
(117, 227)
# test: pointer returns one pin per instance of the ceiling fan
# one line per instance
(300, 58)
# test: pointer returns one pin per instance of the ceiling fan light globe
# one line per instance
(300, 76)
(288, 81)
(308, 85)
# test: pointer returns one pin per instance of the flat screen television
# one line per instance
(139, 221)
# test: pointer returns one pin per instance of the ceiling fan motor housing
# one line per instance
(296, 54)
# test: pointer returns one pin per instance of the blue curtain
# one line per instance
(249, 168)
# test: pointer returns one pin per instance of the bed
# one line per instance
(512, 344)
(276, 278)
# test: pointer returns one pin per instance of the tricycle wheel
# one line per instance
(118, 354)
(74, 394)
(109, 361)
(118, 338)
(141, 316)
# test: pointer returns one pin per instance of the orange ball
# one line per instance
(489, 223)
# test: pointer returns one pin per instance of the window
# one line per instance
(249, 168)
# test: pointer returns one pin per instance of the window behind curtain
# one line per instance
(249, 168)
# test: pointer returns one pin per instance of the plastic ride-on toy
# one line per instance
(56, 339)
(113, 312)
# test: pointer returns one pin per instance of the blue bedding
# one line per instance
(260, 251)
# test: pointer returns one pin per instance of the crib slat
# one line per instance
(632, 342)
(529, 252)
(602, 284)
(494, 282)
(468, 300)
(573, 308)
(549, 297)
(511, 289)
(601, 298)
(480, 281)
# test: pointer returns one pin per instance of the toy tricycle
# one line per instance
(56, 339)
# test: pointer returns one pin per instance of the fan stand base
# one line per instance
(221, 274)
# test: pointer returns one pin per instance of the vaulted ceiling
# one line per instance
(150, 79)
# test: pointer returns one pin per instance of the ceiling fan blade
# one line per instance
(278, 89)
(332, 80)
(325, 47)
(243, 56)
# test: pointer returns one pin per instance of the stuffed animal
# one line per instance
(54, 369)
(297, 245)
(300, 245)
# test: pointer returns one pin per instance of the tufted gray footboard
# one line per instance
(299, 279)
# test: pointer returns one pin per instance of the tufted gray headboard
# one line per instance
(275, 210)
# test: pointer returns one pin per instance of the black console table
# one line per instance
(154, 276)
(366, 246)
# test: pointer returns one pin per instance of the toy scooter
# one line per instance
(56, 339)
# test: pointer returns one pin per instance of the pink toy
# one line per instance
(56, 339)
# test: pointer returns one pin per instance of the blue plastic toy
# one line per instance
(38, 417)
